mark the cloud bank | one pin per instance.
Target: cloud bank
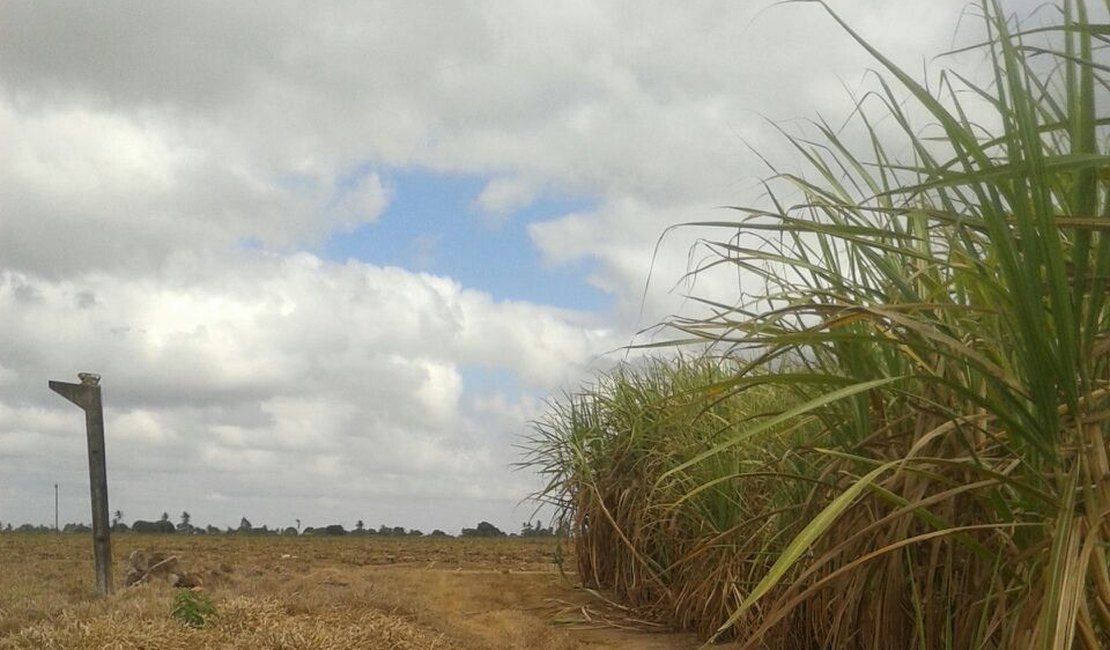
(172, 173)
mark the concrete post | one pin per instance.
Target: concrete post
(87, 396)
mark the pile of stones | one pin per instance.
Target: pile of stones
(147, 567)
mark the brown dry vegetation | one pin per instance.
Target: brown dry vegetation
(318, 593)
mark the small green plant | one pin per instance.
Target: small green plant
(193, 608)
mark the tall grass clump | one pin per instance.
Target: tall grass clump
(934, 321)
(651, 527)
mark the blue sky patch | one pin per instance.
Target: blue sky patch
(431, 226)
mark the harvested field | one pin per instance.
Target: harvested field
(312, 593)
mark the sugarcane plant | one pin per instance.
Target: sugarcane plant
(956, 296)
(907, 446)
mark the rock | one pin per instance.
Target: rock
(141, 566)
(161, 566)
(132, 576)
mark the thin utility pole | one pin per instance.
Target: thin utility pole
(87, 396)
(55, 507)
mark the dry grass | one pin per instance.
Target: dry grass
(319, 593)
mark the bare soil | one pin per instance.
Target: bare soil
(318, 593)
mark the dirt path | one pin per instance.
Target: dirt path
(520, 609)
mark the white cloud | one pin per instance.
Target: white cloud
(170, 173)
(502, 196)
(324, 374)
(361, 203)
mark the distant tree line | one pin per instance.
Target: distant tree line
(184, 526)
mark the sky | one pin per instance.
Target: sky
(332, 258)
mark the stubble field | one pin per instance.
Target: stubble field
(312, 593)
